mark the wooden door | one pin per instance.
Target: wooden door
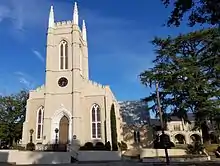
(64, 130)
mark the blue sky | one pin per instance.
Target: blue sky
(119, 34)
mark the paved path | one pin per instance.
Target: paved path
(202, 163)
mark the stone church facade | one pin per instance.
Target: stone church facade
(78, 107)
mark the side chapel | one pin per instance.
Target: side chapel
(78, 107)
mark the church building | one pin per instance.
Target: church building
(69, 103)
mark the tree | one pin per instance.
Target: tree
(198, 11)
(113, 129)
(187, 69)
(12, 116)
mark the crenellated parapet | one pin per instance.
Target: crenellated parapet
(95, 84)
(37, 93)
(63, 23)
(38, 89)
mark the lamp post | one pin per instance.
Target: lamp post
(56, 139)
(162, 124)
(31, 137)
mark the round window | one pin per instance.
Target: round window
(62, 82)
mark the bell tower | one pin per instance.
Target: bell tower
(66, 67)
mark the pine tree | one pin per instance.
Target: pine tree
(197, 11)
(187, 68)
(113, 129)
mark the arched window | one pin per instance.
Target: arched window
(96, 122)
(63, 55)
(39, 127)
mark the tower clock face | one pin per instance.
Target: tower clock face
(62, 82)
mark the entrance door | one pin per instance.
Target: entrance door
(64, 130)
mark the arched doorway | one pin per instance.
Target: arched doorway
(64, 130)
(179, 139)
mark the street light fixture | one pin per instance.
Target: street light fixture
(31, 133)
(162, 124)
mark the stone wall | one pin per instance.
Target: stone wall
(27, 157)
(161, 153)
(99, 156)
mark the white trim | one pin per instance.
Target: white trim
(55, 122)
(42, 123)
(63, 42)
(96, 122)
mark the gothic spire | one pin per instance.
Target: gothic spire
(75, 15)
(84, 33)
(51, 18)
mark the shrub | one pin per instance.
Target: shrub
(30, 146)
(195, 148)
(113, 128)
(108, 146)
(87, 146)
(99, 146)
(82, 148)
(18, 147)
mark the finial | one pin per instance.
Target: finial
(84, 31)
(75, 15)
(51, 18)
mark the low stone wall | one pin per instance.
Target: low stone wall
(175, 155)
(27, 157)
(179, 159)
(99, 156)
(160, 152)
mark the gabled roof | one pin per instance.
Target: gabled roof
(156, 122)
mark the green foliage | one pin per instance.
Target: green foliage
(18, 147)
(30, 146)
(99, 146)
(113, 129)
(88, 146)
(108, 146)
(198, 11)
(196, 148)
(12, 116)
(187, 69)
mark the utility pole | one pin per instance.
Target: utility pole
(162, 124)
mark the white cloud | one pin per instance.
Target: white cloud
(110, 38)
(39, 55)
(22, 14)
(25, 82)
(4, 13)
(25, 79)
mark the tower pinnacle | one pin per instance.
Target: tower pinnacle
(51, 18)
(75, 14)
(84, 31)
